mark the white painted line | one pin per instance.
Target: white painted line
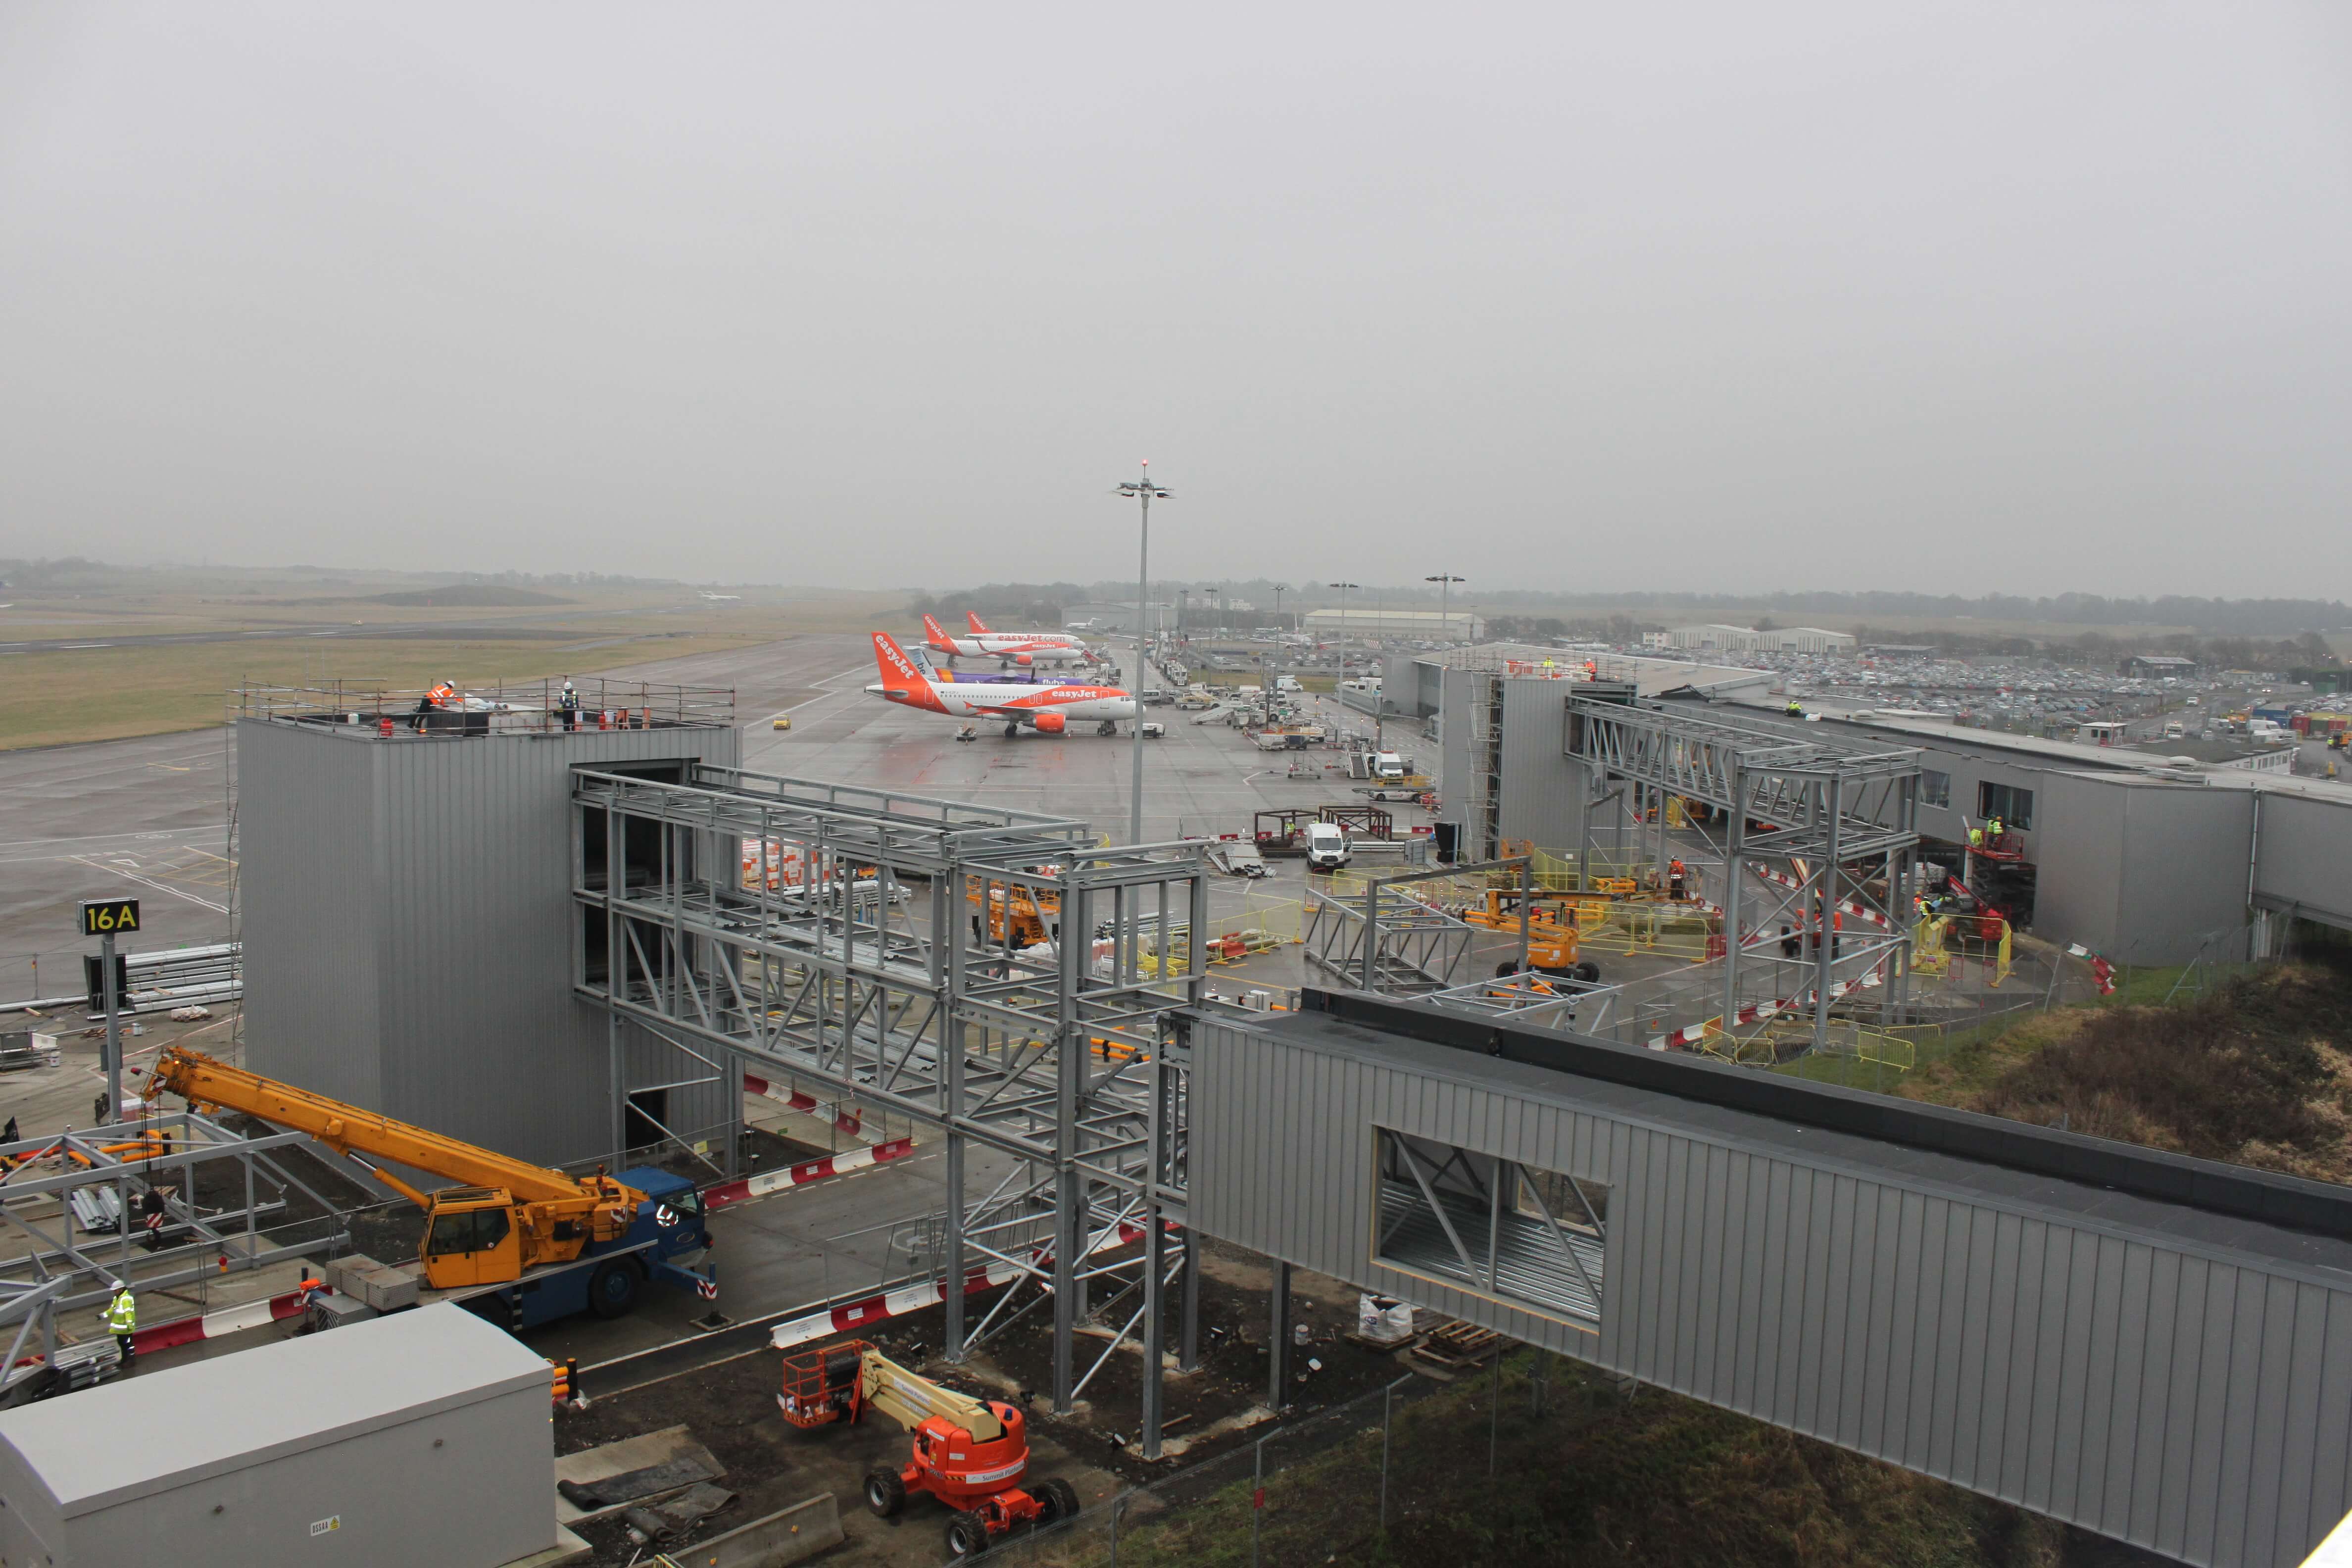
(149, 882)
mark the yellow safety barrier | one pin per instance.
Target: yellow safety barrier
(1887, 1050)
(1929, 954)
(2002, 956)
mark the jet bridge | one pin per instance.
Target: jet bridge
(2152, 1347)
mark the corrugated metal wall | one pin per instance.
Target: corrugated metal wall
(2306, 858)
(2169, 1395)
(308, 855)
(408, 928)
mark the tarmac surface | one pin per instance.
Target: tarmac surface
(147, 817)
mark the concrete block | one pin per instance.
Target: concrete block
(786, 1536)
(385, 1289)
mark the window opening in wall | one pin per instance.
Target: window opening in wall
(1935, 788)
(1516, 1232)
(2014, 806)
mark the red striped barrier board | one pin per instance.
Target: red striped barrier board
(915, 1297)
(1757, 1012)
(727, 1193)
(227, 1321)
(849, 1122)
(1845, 906)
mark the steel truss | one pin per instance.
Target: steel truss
(1396, 944)
(864, 939)
(1837, 815)
(48, 1269)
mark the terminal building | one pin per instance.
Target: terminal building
(2147, 858)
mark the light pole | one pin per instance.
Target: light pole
(1445, 583)
(1144, 491)
(1280, 589)
(1343, 588)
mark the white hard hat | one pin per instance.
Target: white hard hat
(119, 1285)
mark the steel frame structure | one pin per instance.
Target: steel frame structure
(863, 940)
(1835, 812)
(57, 1271)
(1394, 943)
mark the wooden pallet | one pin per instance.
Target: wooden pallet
(1458, 1346)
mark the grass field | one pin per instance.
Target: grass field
(59, 696)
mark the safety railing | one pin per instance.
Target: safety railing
(493, 707)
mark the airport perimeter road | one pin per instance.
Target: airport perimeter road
(539, 625)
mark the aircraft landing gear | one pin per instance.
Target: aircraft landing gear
(1012, 732)
(1107, 727)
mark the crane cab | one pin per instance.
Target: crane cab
(471, 1238)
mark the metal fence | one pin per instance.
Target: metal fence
(1338, 1485)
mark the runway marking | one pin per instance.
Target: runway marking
(148, 882)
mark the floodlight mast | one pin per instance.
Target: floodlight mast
(1343, 588)
(1144, 491)
(1445, 581)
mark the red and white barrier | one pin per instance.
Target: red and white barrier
(851, 1121)
(227, 1321)
(1845, 906)
(1757, 1012)
(748, 1187)
(915, 1297)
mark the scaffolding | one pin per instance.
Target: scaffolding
(866, 970)
(1820, 831)
(66, 1231)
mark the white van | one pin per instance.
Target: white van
(1326, 846)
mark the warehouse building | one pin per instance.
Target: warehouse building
(1716, 638)
(1424, 625)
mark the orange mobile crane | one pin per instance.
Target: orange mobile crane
(505, 1218)
(971, 1454)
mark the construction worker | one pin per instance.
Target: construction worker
(440, 696)
(123, 1320)
(1795, 710)
(1976, 836)
(1992, 829)
(569, 705)
(1791, 945)
(1678, 880)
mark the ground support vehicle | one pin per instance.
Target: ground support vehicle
(1411, 786)
(973, 1453)
(514, 1242)
(1551, 943)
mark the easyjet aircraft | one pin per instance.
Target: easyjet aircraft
(1064, 639)
(1048, 710)
(1004, 647)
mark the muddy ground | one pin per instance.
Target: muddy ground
(730, 1407)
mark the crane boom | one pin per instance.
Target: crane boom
(909, 1399)
(194, 1076)
(504, 1218)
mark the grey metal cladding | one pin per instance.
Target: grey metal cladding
(407, 908)
(2059, 1347)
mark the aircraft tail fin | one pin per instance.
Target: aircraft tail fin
(973, 621)
(898, 671)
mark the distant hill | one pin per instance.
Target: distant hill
(466, 597)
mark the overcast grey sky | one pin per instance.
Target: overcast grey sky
(2032, 298)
